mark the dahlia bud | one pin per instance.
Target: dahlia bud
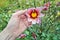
(22, 36)
(47, 4)
(34, 35)
(45, 8)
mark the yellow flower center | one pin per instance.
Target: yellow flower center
(34, 14)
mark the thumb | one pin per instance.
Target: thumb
(18, 13)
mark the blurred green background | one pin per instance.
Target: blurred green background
(50, 26)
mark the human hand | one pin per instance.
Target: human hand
(17, 24)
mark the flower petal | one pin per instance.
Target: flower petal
(27, 14)
(39, 8)
(30, 10)
(29, 19)
(45, 8)
(34, 21)
(47, 4)
(38, 20)
(41, 15)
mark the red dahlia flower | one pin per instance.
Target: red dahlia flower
(34, 15)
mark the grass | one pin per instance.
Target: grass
(50, 27)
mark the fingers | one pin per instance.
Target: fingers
(18, 13)
(27, 24)
(24, 20)
(21, 12)
(23, 16)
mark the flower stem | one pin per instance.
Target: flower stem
(34, 3)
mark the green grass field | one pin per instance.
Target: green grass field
(50, 26)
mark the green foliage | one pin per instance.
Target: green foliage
(49, 29)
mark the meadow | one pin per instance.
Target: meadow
(49, 29)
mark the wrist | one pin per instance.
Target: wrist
(6, 35)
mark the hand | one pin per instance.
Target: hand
(18, 23)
